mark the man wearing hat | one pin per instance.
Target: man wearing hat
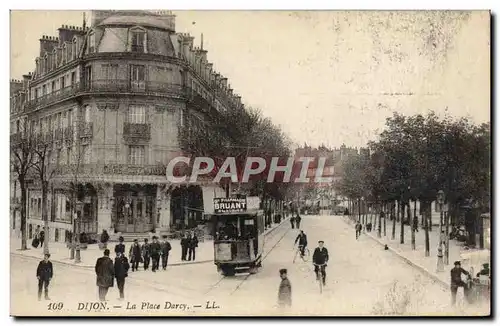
(285, 290)
(135, 255)
(456, 281)
(320, 259)
(155, 250)
(485, 271)
(120, 247)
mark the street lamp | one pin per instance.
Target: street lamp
(79, 206)
(440, 201)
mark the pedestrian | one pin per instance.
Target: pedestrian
(415, 224)
(135, 255)
(105, 272)
(42, 238)
(358, 229)
(120, 247)
(104, 239)
(146, 254)
(369, 227)
(285, 290)
(155, 250)
(456, 281)
(193, 244)
(184, 247)
(44, 274)
(165, 251)
(121, 272)
(297, 221)
(292, 221)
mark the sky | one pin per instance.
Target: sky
(325, 77)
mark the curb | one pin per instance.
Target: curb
(424, 270)
(267, 232)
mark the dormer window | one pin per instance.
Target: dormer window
(138, 40)
(92, 48)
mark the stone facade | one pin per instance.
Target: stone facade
(112, 99)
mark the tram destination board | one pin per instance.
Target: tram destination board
(230, 205)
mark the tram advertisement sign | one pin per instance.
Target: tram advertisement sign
(230, 205)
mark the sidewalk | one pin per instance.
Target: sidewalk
(417, 258)
(60, 253)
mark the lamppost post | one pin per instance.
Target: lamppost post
(78, 257)
(440, 263)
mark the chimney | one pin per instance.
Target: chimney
(223, 82)
(47, 44)
(26, 79)
(15, 86)
(66, 33)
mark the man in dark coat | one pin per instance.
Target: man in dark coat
(302, 240)
(165, 251)
(155, 250)
(42, 238)
(285, 290)
(193, 243)
(184, 247)
(297, 221)
(135, 255)
(105, 272)
(121, 272)
(44, 274)
(456, 281)
(120, 247)
(146, 254)
(320, 259)
(358, 230)
(292, 221)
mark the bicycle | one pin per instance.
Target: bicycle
(305, 256)
(320, 276)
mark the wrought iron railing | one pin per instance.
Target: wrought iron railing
(86, 129)
(110, 169)
(58, 95)
(140, 131)
(131, 86)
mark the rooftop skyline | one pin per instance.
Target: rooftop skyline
(322, 75)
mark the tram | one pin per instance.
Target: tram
(238, 240)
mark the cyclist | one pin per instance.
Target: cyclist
(302, 240)
(320, 257)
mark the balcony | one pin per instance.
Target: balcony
(127, 86)
(198, 101)
(110, 169)
(86, 130)
(136, 132)
(58, 95)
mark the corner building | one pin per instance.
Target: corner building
(113, 98)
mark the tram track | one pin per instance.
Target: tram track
(234, 283)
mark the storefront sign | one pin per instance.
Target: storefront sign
(230, 205)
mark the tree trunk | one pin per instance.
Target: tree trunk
(412, 226)
(359, 210)
(393, 235)
(22, 184)
(402, 223)
(385, 218)
(379, 232)
(45, 216)
(398, 210)
(426, 214)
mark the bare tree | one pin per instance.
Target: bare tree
(22, 158)
(44, 168)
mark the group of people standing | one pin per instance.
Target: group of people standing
(189, 243)
(146, 253)
(295, 221)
